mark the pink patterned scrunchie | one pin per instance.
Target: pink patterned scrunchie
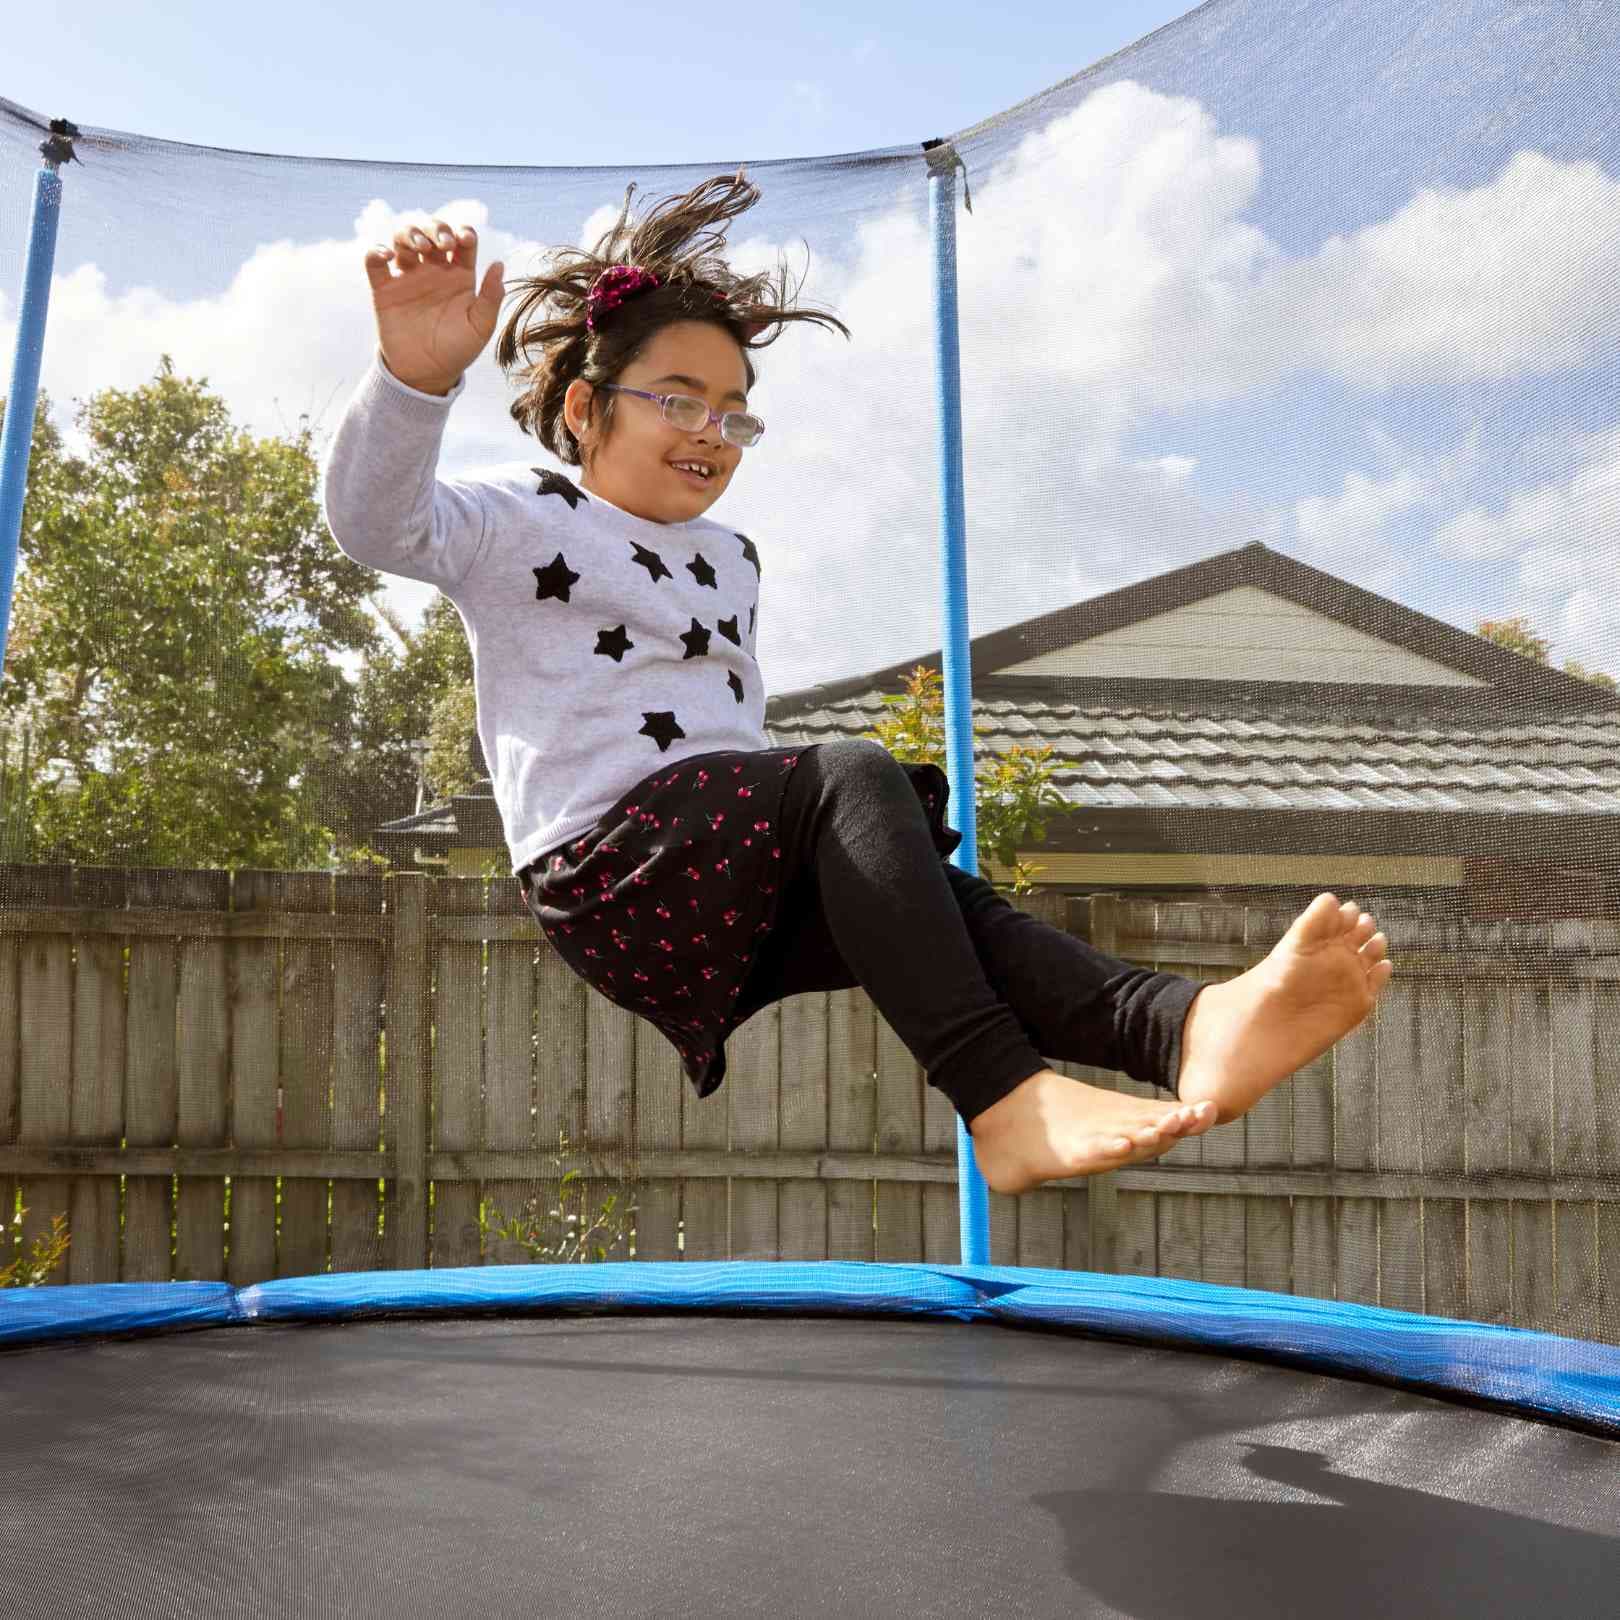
(612, 287)
(617, 284)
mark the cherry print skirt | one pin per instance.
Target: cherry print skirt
(663, 905)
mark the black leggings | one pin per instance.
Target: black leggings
(976, 989)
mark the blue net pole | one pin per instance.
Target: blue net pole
(973, 1196)
(17, 441)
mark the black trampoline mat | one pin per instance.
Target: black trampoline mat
(676, 1465)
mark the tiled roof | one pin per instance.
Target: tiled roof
(1256, 756)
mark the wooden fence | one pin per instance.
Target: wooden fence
(162, 1031)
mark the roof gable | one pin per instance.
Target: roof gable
(1382, 641)
(1244, 633)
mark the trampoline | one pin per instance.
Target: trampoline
(847, 1439)
(1273, 374)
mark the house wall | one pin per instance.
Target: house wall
(1239, 635)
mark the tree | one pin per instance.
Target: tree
(172, 665)
(1010, 796)
(1517, 636)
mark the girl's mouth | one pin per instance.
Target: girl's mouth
(694, 478)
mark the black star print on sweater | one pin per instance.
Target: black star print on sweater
(615, 643)
(555, 484)
(651, 561)
(555, 580)
(661, 727)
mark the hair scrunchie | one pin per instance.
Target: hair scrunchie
(613, 287)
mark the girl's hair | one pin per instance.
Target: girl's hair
(675, 243)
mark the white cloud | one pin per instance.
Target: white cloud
(1553, 548)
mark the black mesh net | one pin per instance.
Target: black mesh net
(1292, 476)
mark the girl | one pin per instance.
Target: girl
(675, 861)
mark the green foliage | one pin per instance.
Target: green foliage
(172, 692)
(1517, 636)
(31, 1270)
(561, 1236)
(1013, 791)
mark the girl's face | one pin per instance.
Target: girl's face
(633, 466)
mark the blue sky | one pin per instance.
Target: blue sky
(516, 82)
(1338, 278)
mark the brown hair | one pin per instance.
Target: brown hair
(674, 242)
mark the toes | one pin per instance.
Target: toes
(1320, 920)
(1375, 948)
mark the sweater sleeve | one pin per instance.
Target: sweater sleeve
(383, 503)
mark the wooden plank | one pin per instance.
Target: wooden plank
(45, 1063)
(306, 1073)
(153, 1066)
(1040, 1228)
(1355, 1146)
(357, 994)
(1608, 1247)
(1315, 1224)
(1357, 1251)
(407, 1079)
(202, 1075)
(900, 1085)
(610, 1071)
(705, 1232)
(1606, 1216)
(1402, 1056)
(1530, 1048)
(1488, 1142)
(561, 997)
(255, 1079)
(805, 1081)
(99, 1021)
(1076, 1229)
(458, 1065)
(325, 1164)
(1268, 1244)
(659, 1082)
(851, 1121)
(756, 1110)
(1136, 1238)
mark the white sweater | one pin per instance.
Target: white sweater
(605, 646)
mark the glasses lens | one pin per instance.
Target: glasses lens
(686, 413)
(742, 429)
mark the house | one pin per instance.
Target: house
(1250, 725)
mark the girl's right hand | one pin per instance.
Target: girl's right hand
(431, 323)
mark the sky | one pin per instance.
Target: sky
(522, 83)
(1338, 279)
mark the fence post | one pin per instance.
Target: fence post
(1103, 1188)
(406, 973)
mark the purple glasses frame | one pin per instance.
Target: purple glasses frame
(714, 416)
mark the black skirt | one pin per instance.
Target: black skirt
(664, 904)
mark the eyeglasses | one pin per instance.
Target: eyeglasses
(691, 415)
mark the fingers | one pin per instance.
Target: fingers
(413, 247)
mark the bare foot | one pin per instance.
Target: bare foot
(1051, 1127)
(1320, 980)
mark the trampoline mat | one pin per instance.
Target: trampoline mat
(677, 1464)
